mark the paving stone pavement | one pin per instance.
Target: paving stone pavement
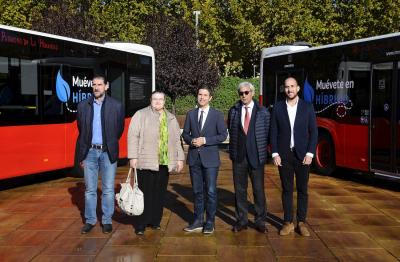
(349, 221)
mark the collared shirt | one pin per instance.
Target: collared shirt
(249, 109)
(205, 114)
(97, 135)
(292, 110)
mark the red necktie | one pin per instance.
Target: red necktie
(246, 120)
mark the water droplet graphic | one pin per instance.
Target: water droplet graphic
(62, 88)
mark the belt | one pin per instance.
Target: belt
(99, 147)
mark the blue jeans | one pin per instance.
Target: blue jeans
(97, 162)
(204, 178)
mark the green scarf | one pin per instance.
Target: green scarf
(163, 146)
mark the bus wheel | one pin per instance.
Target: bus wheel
(324, 160)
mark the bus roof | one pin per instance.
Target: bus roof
(136, 48)
(290, 49)
(126, 47)
(277, 50)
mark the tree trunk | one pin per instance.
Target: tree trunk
(173, 100)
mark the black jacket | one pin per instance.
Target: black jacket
(305, 130)
(112, 124)
(262, 119)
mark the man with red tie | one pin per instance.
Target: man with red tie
(248, 124)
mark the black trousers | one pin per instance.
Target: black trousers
(287, 171)
(241, 171)
(154, 187)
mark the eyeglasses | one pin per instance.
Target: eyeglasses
(244, 93)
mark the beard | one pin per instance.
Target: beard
(291, 97)
(98, 95)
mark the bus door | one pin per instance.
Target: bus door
(384, 124)
(396, 122)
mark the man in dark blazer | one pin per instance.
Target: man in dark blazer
(100, 120)
(294, 136)
(248, 124)
(204, 129)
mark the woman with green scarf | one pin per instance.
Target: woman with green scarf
(154, 149)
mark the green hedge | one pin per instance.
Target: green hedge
(225, 95)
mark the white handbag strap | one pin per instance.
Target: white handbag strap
(128, 179)
(135, 183)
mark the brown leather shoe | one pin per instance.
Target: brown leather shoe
(303, 230)
(286, 229)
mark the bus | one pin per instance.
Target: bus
(355, 89)
(42, 79)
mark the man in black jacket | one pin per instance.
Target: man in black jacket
(294, 136)
(100, 121)
(248, 124)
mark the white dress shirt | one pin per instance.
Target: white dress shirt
(249, 109)
(292, 110)
(205, 114)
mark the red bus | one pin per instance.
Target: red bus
(42, 79)
(355, 89)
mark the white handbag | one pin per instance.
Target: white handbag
(130, 199)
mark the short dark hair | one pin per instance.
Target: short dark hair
(205, 88)
(100, 76)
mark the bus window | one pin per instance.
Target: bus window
(5, 89)
(359, 96)
(18, 91)
(52, 106)
(116, 78)
(139, 83)
(270, 91)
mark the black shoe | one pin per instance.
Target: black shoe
(195, 227)
(261, 228)
(155, 227)
(86, 228)
(239, 227)
(107, 228)
(208, 229)
(139, 231)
